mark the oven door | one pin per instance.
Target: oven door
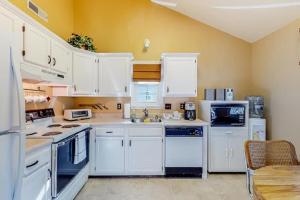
(224, 115)
(64, 166)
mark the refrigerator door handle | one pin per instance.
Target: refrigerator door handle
(19, 86)
(21, 155)
(21, 164)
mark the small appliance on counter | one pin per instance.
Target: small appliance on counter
(77, 114)
(190, 111)
(229, 94)
(210, 94)
(256, 106)
(220, 94)
(127, 112)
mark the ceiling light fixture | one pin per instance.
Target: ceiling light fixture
(262, 6)
(164, 3)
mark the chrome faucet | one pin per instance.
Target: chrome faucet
(146, 113)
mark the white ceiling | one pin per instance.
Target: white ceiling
(249, 20)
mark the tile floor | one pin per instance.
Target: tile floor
(216, 187)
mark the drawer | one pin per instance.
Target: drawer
(229, 131)
(37, 159)
(145, 131)
(113, 131)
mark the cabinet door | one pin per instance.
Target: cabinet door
(110, 155)
(85, 70)
(37, 185)
(36, 47)
(61, 57)
(237, 161)
(180, 77)
(145, 156)
(218, 153)
(114, 73)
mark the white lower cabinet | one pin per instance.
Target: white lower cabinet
(127, 151)
(145, 156)
(37, 185)
(237, 160)
(218, 153)
(110, 155)
(226, 150)
(37, 175)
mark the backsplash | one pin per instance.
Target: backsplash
(59, 104)
(109, 102)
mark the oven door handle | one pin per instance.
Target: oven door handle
(67, 140)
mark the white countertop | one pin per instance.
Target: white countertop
(34, 144)
(196, 122)
(113, 120)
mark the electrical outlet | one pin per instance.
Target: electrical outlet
(182, 106)
(119, 106)
(168, 106)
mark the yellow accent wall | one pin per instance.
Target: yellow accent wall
(122, 26)
(276, 75)
(60, 15)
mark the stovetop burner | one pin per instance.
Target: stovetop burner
(52, 133)
(54, 125)
(71, 126)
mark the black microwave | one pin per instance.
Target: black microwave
(228, 115)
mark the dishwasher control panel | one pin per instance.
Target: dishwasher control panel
(184, 131)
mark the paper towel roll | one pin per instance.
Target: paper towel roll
(127, 108)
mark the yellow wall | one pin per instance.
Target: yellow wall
(60, 15)
(276, 75)
(122, 26)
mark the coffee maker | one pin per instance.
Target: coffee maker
(189, 111)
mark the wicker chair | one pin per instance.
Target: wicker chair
(265, 153)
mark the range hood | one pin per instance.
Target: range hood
(40, 75)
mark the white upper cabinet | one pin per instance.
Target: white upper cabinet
(36, 48)
(61, 57)
(180, 75)
(114, 75)
(85, 74)
(41, 50)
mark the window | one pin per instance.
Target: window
(146, 95)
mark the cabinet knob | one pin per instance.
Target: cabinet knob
(168, 89)
(130, 143)
(75, 88)
(125, 88)
(122, 143)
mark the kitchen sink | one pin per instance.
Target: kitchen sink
(146, 120)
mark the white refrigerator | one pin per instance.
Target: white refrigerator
(12, 112)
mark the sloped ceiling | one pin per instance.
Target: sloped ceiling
(249, 20)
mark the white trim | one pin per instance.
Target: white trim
(163, 55)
